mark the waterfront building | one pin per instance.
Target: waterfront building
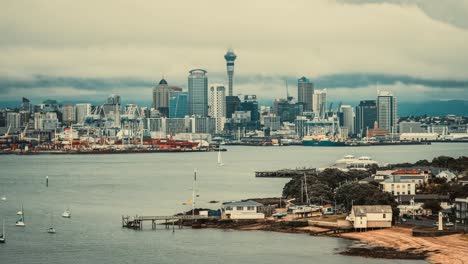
(45, 121)
(419, 136)
(366, 116)
(319, 103)
(217, 105)
(230, 57)
(370, 216)
(161, 96)
(305, 92)
(387, 111)
(202, 125)
(178, 104)
(410, 127)
(176, 126)
(198, 92)
(82, 111)
(348, 118)
(242, 210)
(69, 114)
(271, 122)
(438, 129)
(13, 120)
(232, 105)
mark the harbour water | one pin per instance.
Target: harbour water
(100, 188)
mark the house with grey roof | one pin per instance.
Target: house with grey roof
(246, 209)
(370, 216)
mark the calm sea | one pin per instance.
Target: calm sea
(100, 188)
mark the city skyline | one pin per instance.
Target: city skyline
(94, 61)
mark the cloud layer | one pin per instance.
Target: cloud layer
(86, 49)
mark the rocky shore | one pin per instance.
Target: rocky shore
(366, 244)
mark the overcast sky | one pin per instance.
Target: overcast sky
(85, 50)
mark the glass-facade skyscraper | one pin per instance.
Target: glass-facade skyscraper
(387, 111)
(366, 116)
(178, 104)
(198, 92)
(305, 92)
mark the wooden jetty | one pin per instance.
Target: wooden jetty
(136, 222)
(285, 173)
(335, 231)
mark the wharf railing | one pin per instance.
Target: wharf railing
(137, 221)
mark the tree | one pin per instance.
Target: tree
(432, 205)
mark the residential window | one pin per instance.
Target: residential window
(250, 208)
(384, 216)
(228, 208)
(239, 208)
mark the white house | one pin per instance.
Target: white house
(397, 186)
(247, 209)
(447, 175)
(370, 216)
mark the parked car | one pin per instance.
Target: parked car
(449, 224)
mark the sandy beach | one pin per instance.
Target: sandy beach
(445, 249)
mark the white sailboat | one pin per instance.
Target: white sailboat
(20, 221)
(220, 158)
(4, 195)
(67, 213)
(51, 229)
(3, 236)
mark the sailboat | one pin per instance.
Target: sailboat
(220, 158)
(4, 195)
(51, 229)
(3, 236)
(66, 213)
(20, 221)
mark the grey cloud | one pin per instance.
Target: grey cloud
(454, 12)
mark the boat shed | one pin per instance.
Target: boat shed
(370, 216)
(246, 209)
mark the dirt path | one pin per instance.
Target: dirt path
(447, 249)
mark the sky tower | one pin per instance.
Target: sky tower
(230, 57)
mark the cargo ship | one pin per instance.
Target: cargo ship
(321, 141)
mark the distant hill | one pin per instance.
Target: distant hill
(434, 108)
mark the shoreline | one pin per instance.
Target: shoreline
(390, 243)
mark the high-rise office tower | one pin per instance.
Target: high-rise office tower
(82, 110)
(387, 111)
(217, 97)
(305, 92)
(26, 105)
(178, 104)
(113, 99)
(230, 57)
(13, 120)
(366, 116)
(69, 114)
(348, 118)
(161, 94)
(250, 104)
(198, 92)
(319, 102)
(232, 105)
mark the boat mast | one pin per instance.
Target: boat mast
(193, 193)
